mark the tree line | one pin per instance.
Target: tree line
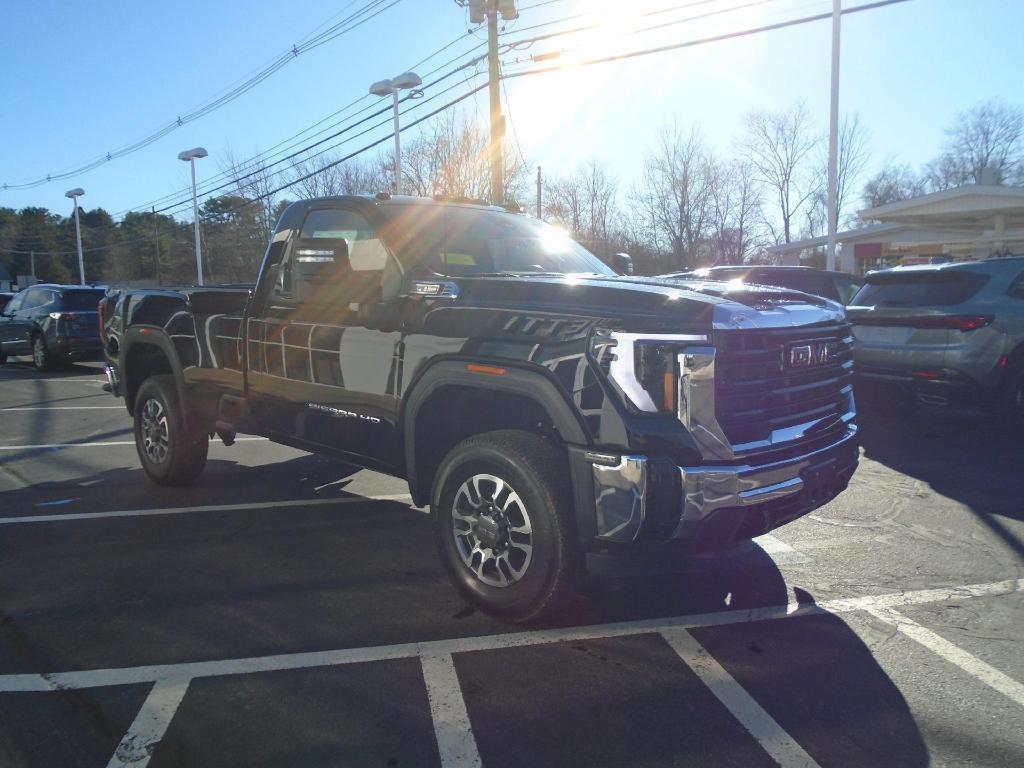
(689, 205)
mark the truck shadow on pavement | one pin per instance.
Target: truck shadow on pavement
(117, 592)
(961, 456)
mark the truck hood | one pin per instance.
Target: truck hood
(702, 304)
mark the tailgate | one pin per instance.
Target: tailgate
(905, 322)
(892, 339)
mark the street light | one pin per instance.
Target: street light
(74, 194)
(190, 156)
(404, 81)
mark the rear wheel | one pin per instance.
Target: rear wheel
(503, 511)
(1010, 406)
(42, 357)
(170, 453)
(3, 357)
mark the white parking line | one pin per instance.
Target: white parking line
(455, 742)
(769, 734)
(69, 379)
(150, 724)
(205, 508)
(132, 675)
(939, 645)
(93, 445)
(69, 408)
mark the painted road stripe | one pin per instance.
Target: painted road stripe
(150, 724)
(206, 508)
(455, 742)
(133, 675)
(782, 747)
(94, 445)
(69, 379)
(70, 408)
(939, 645)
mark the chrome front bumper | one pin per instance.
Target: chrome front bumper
(624, 502)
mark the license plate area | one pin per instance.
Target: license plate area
(820, 482)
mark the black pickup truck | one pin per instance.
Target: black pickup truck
(558, 418)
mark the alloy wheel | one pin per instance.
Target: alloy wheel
(492, 530)
(155, 436)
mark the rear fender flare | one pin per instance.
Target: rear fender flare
(153, 336)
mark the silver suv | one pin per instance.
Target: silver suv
(945, 334)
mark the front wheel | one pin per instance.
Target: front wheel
(504, 521)
(170, 453)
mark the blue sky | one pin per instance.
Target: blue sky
(83, 78)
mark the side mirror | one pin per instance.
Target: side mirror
(622, 263)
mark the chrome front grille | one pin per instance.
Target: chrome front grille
(783, 386)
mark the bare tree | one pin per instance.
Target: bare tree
(254, 181)
(780, 146)
(736, 198)
(325, 175)
(451, 159)
(853, 157)
(989, 136)
(891, 184)
(676, 192)
(584, 203)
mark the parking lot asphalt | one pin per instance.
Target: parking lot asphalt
(289, 610)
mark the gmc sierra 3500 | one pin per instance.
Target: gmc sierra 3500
(558, 418)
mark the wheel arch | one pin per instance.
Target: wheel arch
(449, 403)
(148, 351)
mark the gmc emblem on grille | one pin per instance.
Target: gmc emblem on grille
(807, 355)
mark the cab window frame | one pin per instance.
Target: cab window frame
(285, 268)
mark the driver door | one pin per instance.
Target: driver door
(325, 344)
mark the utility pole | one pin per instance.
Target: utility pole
(833, 143)
(497, 119)
(156, 246)
(538, 193)
(32, 262)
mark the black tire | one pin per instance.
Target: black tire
(42, 358)
(3, 357)
(1010, 404)
(535, 472)
(172, 455)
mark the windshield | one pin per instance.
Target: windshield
(920, 289)
(452, 240)
(81, 300)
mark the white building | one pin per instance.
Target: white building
(970, 222)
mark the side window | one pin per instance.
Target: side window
(847, 288)
(36, 297)
(15, 304)
(1017, 289)
(337, 259)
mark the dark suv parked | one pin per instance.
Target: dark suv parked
(817, 282)
(53, 323)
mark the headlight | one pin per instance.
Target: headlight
(644, 367)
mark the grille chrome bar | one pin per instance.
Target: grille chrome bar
(740, 398)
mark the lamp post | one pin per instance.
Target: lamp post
(74, 194)
(190, 156)
(393, 86)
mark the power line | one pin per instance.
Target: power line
(232, 176)
(702, 41)
(347, 25)
(205, 187)
(282, 187)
